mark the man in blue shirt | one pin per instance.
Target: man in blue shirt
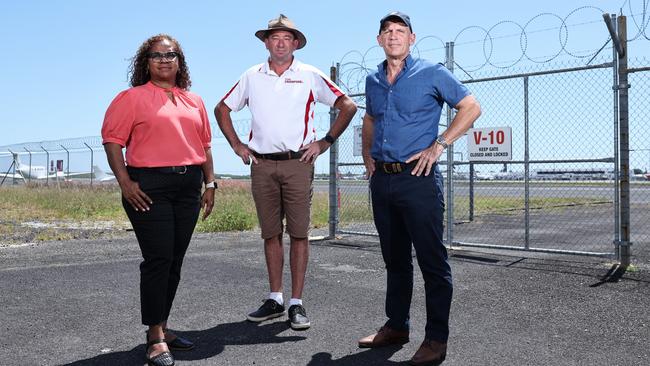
(401, 145)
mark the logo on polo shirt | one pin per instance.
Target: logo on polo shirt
(291, 81)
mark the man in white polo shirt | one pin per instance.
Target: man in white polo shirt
(281, 95)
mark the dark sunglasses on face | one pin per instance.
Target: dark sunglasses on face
(159, 57)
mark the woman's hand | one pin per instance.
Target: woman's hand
(207, 202)
(134, 195)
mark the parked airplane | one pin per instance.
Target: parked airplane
(40, 172)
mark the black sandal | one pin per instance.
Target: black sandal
(179, 343)
(162, 359)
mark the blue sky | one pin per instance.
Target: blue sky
(64, 61)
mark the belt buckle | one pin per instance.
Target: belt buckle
(183, 171)
(392, 168)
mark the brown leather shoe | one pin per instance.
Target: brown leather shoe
(430, 353)
(384, 337)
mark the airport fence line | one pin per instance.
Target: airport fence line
(46, 162)
(562, 191)
(570, 187)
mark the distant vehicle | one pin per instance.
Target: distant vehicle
(641, 177)
(485, 176)
(574, 174)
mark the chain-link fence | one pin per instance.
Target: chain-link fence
(561, 192)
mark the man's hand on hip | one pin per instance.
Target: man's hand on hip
(426, 159)
(244, 153)
(311, 151)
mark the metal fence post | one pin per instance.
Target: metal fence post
(471, 191)
(47, 166)
(68, 157)
(617, 203)
(526, 169)
(449, 46)
(623, 87)
(29, 176)
(92, 157)
(333, 178)
(15, 163)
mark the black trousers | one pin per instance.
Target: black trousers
(164, 233)
(408, 211)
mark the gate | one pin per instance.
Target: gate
(569, 188)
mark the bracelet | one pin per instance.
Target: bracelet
(212, 184)
(329, 139)
(440, 140)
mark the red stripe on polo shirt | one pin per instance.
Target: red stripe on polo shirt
(310, 100)
(231, 89)
(332, 87)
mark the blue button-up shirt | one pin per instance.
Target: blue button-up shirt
(406, 113)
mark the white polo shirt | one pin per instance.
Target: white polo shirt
(282, 106)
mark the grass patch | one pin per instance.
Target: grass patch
(516, 205)
(234, 209)
(356, 206)
(67, 202)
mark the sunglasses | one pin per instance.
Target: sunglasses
(160, 57)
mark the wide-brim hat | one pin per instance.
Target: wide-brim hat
(282, 23)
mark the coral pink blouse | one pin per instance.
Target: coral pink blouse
(155, 131)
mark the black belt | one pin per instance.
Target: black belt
(287, 155)
(182, 169)
(394, 167)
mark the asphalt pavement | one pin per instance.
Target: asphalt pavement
(76, 303)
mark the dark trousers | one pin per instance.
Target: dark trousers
(163, 233)
(408, 210)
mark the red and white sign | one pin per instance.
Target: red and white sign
(489, 144)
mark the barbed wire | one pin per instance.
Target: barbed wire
(645, 20)
(356, 65)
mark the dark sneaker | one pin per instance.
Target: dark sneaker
(298, 317)
(269, 310)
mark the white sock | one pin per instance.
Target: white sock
(277, 296)
(294, 301)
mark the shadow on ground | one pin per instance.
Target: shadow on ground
(373, 356)
(209, 343)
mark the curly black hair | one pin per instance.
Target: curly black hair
(139, 71)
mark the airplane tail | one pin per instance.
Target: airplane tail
(100, 175)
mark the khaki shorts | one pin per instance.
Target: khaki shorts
(282, 189)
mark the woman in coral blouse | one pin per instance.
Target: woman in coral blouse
(166, 132)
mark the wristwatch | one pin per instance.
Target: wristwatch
(328, 138)
(442, 141)
(212, 184)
